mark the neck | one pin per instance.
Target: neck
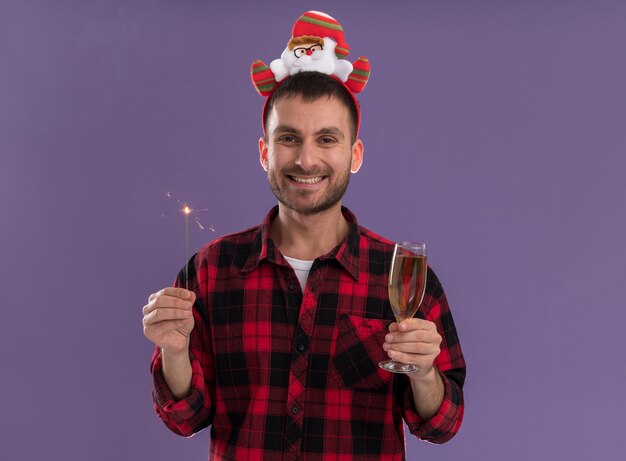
(308, 236)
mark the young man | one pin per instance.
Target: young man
(276, 345)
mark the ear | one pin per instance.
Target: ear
(263, 146)
(357, 156)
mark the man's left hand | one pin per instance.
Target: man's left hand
(414, 341)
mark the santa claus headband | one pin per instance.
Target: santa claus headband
(317, 44)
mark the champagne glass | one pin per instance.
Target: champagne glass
(407, 284)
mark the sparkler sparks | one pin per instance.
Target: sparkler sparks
(186, 210)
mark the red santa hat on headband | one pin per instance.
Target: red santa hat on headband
(322, 25)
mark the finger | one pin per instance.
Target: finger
(418, 336)
(156, 331)
(175, 292)
(421, 360)
(429, 349)
(172, 302)
(168, 302)
(416, 324)
(161, 315)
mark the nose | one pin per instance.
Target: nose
(307, 157)
(309, 52)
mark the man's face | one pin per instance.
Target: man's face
(308, 154)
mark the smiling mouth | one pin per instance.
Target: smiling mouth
(301, 180)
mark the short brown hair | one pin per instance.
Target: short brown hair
(312, 86)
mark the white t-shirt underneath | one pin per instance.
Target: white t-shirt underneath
(301, 269)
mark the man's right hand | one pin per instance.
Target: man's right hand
(168, 319)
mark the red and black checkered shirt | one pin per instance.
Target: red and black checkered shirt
(283, 374)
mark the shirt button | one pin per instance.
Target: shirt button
(292, 286)
(295, 410)
(301, 347)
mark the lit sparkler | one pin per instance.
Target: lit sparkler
(187, 211)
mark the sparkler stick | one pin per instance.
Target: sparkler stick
(186, 210)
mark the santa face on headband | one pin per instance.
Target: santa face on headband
(310, 53)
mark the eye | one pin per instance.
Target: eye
(287, 139)
(299, 52)
(327, 140)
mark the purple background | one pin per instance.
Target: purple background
(494, 130)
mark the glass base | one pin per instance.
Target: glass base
(397, 367)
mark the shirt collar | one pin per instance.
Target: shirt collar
(346, 253)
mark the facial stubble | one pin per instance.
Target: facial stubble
(333, 195)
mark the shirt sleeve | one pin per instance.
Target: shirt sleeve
(194, 412)
(451, 367)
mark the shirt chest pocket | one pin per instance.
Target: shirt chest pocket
(358, 350)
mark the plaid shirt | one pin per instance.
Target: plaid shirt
(283, 374)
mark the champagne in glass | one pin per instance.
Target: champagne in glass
(407, 284)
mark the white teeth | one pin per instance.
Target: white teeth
(307, 180)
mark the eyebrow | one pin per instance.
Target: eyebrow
(280, 129)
